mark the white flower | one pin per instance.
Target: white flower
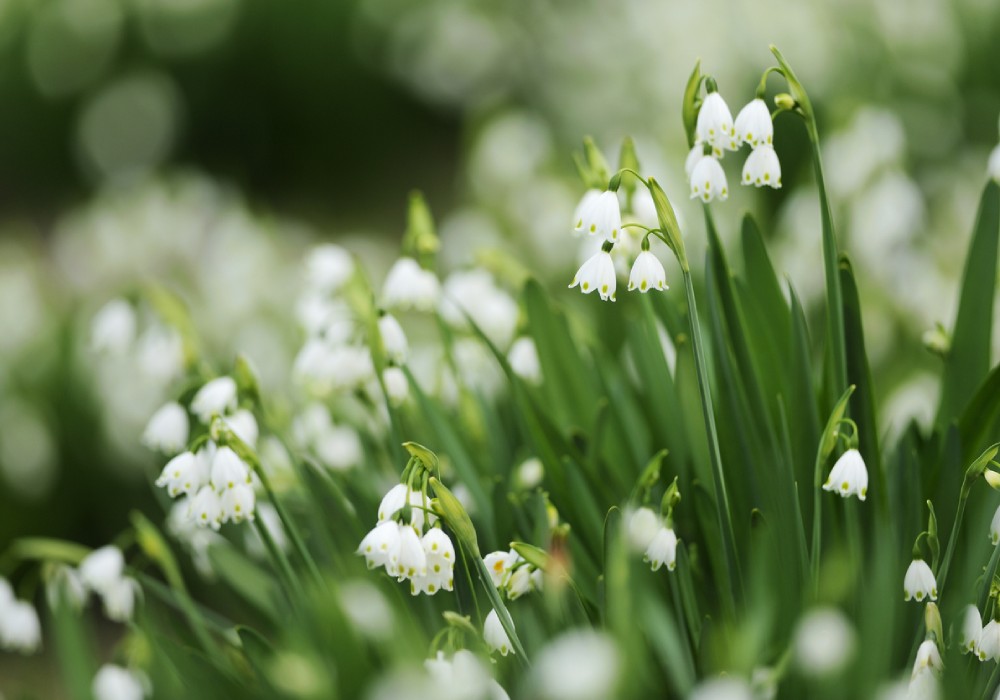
(396, 498)
(116, 683)
(217, 397)
(119, 599)
(182, 474)
(989, 641)
(206, 508)
(972, 629)
(113, 328)
(167, 430)
(849, 476)
(722, 689)
(408, 286)
(523, 359)
(328, 267)
(397, 387)
(995, 527)
(380, 547)
(753, 124)
(715, 123)
(578, 665)
(762, 168)
(520, 582)
(824, 641)
(647, 273)
(238, 503)
(662, 550)
(367, 609)
(440, 557)
(529, 473)
(498, 564)
(65, 586)
(602, 217)
(412, 560)
(993, 166)
(708, 180)
(159, 353)
(102, 568)
(919, 581)
(19, 627)
(463, 677)
(228, 470)
(923, 686)
(928, 658)
(338, 447)
(473, 294)
(643, 526)
(393, 338)
(693, 158)
(597, 273)
(588, 199)
(495, 636)
(244, 425)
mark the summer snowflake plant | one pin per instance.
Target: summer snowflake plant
(541, 532)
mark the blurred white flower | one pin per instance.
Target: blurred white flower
(408, 286)
(495, 636)
(397, 387)
(602, 217)
(928, 658)
(216, 397)
(529, 473)
(581, 664)
(167, 429)
(849, 476)
(753, 124)
(597, 273)
(206, 508)
(244, 425)
(184, 473)
(102, 568)
(367, 609)
(971, 630)
(722, 689)
(708, 180)
(159, 354)
(119, 599)
(523, 359)
(116, 683)
(662, 549)
(326, 367)
(339, 447)
(328, 267)
(20, 629)
(824, 641)
(393, 338)
(463, 677)
(643, 526)
(715, 123)
(647, 273)
(113, 328)
(237, 504)
(919, 582)
(475, 293)
(762, 168)
(64, 586)
(228, 470)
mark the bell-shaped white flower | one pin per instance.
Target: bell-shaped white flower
(971, 629)
(412, 559)
(392, 501)
(708, 180)
(715, 122)
(182, 474)
(206, 508)
(753, 124)
(849, 476)
(244, 425)
(228, 470)
(598, 272)
(995, 527)
(167, 429)
(380, 547)
(919, 582)
(393, 338)
(217, 397)
(65, 586)
(113, 328)
(498, 564)
(928, 658)
(102, 568)
(495, 636)
(328, 267)
(588, 199)
(692, 159)
(647, 273)
(989, 641)
(602, 217)
(643, 525)
(397, 387)
(581, 664)
(924, 686)
(119, 599)
(523, 359)
(408, 286)
(19, 627)
(440, 556)
(662, 550)
(993, 165)
(520, 581)
(339, 447)
(238, 503)
(762, 168)
(396, 498)
(116, 683)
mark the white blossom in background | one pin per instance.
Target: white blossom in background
(408, 286)
(919, 582)
(926, 671)
(647, 273)
(393, 337)
(65, 586)
(523, 359)
(244, 425)
(762, 168)
(325, 367)
(328, 267)
(463, 677)
(708, 180)
(642, 527)
(397, 386)
(824, 641)
(113, 328)
(722, 689)
(20, 629)
(601, 216)
(581, 664)
(102, 568)
(119, 599)
(753, 124)
(339, 448)
(597, 273)
(113, 682)
(167, 429)
(216, 397)
(529, 473)
(367, 609)
(474, 293)
(159, 354)
(971, 630)
(849, 476)
(495, 636)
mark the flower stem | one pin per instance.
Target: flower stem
(732, 571)
(942, 572)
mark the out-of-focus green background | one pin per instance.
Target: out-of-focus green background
(202, 144)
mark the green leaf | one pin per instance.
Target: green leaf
(246, 579)
(968, 360)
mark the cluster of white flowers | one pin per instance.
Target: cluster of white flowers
(216, 484)
(649, 534)
(20, 629)
(716, 133)
(417, 550)
(101, 572)
(919, 582)
(336, 446)
(512, 574)
(849, 476)
(113, 682)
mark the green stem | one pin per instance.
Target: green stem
(991, 568)
(942, 572)
(279, 558)
(502, 613)
(732, 571)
